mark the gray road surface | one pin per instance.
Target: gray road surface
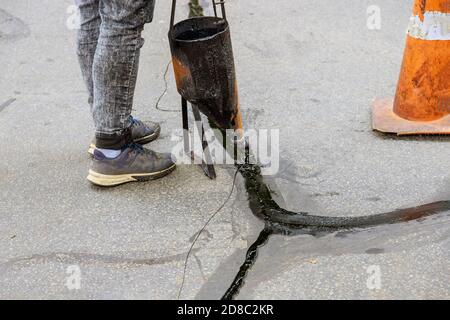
(307, 68)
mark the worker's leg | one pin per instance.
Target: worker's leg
(87, 38)
(115, 69)
(114, 72)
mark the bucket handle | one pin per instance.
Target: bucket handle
(214, 2)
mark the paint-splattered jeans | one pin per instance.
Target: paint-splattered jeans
(108, 46)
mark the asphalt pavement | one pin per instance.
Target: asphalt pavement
(309, 69)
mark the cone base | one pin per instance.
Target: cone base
(385, 120)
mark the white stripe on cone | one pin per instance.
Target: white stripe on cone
(435, 26)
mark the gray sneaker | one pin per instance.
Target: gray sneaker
(134, 164)
(142, 132)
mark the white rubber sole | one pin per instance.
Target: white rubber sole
(115, 180)
(91, 149)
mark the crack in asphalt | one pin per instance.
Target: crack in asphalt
(89, 258)
(12, 28)
(7, 103)
(200, 267)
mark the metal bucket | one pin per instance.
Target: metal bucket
(203, 63)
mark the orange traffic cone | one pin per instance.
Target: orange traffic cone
(422, 101)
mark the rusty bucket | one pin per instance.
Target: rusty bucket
(203, 63)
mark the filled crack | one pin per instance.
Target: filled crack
(195, 9)
(281, 221)
(250, 259)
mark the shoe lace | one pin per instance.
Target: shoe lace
(135, 148)
(139, 149)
